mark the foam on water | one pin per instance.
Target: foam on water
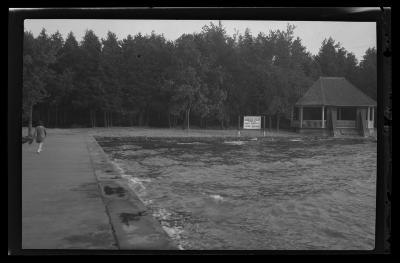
(161, 214)
(118, 167)
(217, 197)
(148, 202)
(134, 183)
(234, 142)
(195, 143)
(174, 232)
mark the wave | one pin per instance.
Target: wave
(118, 167)
(191, 143)
(217, 198)
(235, 142)
(134, 183)
(174, 232)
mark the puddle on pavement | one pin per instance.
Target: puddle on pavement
(128, 217)
(108, 190)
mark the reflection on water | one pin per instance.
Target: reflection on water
(282, 194)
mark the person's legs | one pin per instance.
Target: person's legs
(40, 147)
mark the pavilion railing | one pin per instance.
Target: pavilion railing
(345, 124)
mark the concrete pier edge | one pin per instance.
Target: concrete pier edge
(133, 225)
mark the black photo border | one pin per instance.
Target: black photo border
(380, 15)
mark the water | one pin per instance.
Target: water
(282, 194)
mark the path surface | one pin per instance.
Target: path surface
(61, 203)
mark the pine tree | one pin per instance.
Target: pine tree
(38, 54)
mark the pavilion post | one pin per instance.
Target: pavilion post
(264, 125)
(301, 116)
(291, 116)
(239, 125)
(368, 116)
(373, 117)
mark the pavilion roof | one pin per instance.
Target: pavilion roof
(334, 91)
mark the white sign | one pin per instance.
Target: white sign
(252, 122)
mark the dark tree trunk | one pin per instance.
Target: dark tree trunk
(93, 118)
(63, 121)
(111, 119)
(108, 118)
(147, 117)
(269, 122)
(277, 122)
(48, 116)
(188, 118)
(140, 121)
(65, 117)
(62, 116)
(105, 118)
(30, 120)
(56, 121)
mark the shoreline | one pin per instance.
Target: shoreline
(133, 226)
(192, 133)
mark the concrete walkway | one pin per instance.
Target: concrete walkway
(62, 207)
(73, 197)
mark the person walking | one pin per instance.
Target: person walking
(40, 134)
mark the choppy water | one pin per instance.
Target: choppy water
(283, 194)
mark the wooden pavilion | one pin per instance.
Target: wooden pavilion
(333, 106)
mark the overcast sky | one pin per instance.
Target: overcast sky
(355, 37)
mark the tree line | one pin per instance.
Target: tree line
(204, 79)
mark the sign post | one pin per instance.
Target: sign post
(264, 125)
(239, 126)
